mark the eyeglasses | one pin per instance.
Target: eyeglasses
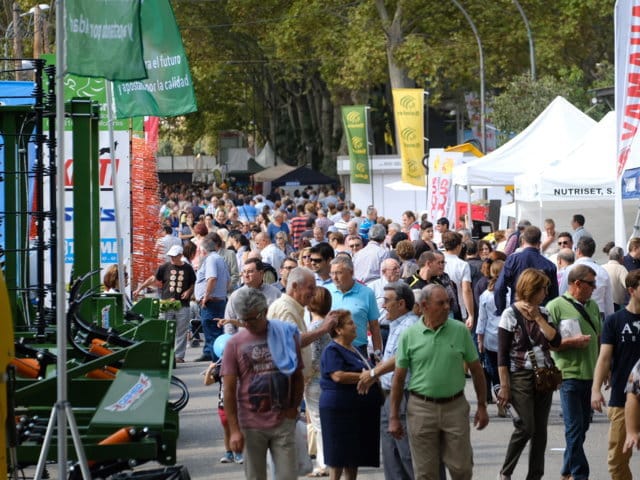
(290, 268)
(315, 260)
(591, 283)
(306, 257)
(355, 245)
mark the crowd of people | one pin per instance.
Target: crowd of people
(373, 327)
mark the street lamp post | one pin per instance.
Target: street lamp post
(532, 52)
(483, 136)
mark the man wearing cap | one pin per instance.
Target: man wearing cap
(178, 279)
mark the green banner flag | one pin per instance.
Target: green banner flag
(104, 39)
(354, 119)
(168, 91)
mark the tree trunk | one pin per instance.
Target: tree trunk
(395, 36)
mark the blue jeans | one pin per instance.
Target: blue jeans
(212, 310)
(575, 398)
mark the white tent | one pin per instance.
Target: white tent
(586, 173)
(584, 182)
(267, 157)
(549, 137)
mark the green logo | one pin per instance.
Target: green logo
(408, 102)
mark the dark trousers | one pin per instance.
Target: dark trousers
(533, 408)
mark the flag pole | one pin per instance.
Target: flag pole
(114, 182)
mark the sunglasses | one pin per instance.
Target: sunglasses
(563, 243)
(306, 257)
(315, 260)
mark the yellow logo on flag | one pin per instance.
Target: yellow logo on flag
(353, 117)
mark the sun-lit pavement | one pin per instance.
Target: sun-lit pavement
(201, 442)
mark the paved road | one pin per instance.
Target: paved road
(201, 442)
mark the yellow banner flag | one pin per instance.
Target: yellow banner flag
(408, 107)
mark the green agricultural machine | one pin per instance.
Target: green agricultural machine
(121, 391)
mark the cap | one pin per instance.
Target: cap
(175, 251)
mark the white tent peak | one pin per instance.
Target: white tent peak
(588, 171)
(267, 157)
(552, 135)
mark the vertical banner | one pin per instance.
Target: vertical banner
(168, 90)
(627, 99)
(408, 106)
(104, 39)
(440, 201)
(354, 119)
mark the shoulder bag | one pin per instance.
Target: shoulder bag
(547, 379)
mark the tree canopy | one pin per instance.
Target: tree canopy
(282, 69)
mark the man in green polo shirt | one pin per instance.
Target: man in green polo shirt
(434, 351)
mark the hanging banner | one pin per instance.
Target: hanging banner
(104, 39)
(168, 90)
(408, 107)
(627, 100)
(440, 202)
(354, 119)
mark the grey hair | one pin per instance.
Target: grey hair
(395, 226)
(208, 244)
(418, 296)
(428, 291)
(567, 255)
(343, 260)
(298, 275)
(377, 232)
(403, 292)
(247, 301)
(616, 253)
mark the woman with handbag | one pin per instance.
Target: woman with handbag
(350, 421)
(525, 338)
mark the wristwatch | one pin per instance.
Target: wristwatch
(372, 372)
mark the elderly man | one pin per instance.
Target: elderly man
(262, 389)
(585, 248)
(278, 225)
(576, 358)
(617, 275)
(290, 308)
(529, 257)
(396, 455)
(366, 262)
(360, 300)
(212, 282)
(434, 352)
(253, 277)
(390, 270)
(288, 265)
(178, 279)
(269, 252)
(619, 351)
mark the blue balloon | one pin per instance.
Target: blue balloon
(220, 343)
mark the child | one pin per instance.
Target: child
(212, 375)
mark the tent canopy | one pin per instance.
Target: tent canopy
(550, 136)
(588, 172)
(250, 168)
(271, 173)
(302, 176)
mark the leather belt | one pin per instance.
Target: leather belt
(439, 399)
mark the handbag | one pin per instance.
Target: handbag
(547, 379)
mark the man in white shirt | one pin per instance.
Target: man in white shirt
(460, 273)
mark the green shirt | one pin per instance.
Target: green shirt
(435, 358)
(576, 363)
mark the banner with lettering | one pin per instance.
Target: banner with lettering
(440, 202)
(168, 90)
(408, 107)
(104, 39)
(354, 119)
(627, 100)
